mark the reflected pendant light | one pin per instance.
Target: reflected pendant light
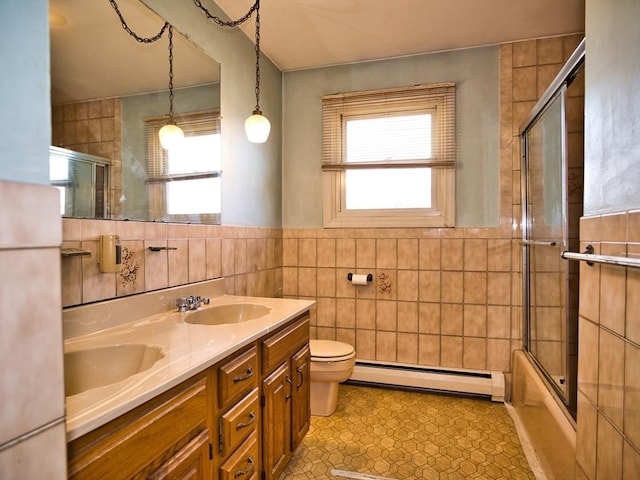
(170, 135)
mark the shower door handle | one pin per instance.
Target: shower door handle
(540, 243)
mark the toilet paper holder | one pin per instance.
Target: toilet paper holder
(369, 277)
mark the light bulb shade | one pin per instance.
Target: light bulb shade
(257, 128)
(170, 136)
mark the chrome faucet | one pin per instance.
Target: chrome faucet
(192, 302)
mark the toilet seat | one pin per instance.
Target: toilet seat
(330, 351)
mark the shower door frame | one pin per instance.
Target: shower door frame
(557, 88)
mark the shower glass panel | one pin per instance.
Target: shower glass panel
(552, 206)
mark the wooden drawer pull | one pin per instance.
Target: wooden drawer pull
(240, 378)
(249, 469)
(252, 418)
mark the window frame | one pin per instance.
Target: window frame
(203, 123)
(436, 99)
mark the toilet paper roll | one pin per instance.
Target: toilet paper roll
(359, 279)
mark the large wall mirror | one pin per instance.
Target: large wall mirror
(109, 96)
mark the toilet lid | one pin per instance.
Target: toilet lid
(329, 349)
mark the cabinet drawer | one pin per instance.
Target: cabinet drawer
(154, 431)
(238, 422)
(244, 464)
(282, 344)
(237, 376)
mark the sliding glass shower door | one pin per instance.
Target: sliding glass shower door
(552, 206)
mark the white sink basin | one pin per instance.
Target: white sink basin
(97, 367)
(225, 314)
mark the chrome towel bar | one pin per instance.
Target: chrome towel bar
(591, 258)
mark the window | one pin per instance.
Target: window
(184, 184)
(389, 157)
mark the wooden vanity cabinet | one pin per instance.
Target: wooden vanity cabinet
(236, 418)
(285, 392)
(165, 438)
(241, 419)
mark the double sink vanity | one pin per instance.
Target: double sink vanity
(217, 392)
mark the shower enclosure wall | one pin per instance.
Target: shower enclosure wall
(552, 173)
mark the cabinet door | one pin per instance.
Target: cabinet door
(300, 409)
(190, 462)
(276, 421)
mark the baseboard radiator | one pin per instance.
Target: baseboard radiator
(471, 383)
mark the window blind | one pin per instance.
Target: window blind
(436, 101)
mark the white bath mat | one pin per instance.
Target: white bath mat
(357, 475)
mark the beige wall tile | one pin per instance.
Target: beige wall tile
(326, 282)
(365, 253)
(588, 348)
(408, 253)
(307, 252)
(37, 457)
(178, 261)
(475, 287)
(453, 254)
(611, 376)
(429, 286)
(386, 343)
(307, 282)
(474, 353)
(366, 344)
(408, 317)
(344, 288)
(131, 277)
(240, 255)
(475, 320)
(365, 314)
(451, 319)
(156, 267)
(407, 286)
(498, 355)
(228, 256)
(31, 340)
(451, 351)
(429, 318)
(386, 316)
(609, 451)
(429, 350)
(613, 289)
(290, 282)
(630, 461)
(524, 53)
(326, 311)
(586, 437)
(499, 288)
(290, 252)
(197, 259)
(430, 253)
(407, 348)
(525, 84)
(326, 252)
(499, 255)
(632, 315)
(452, 287)
(632, 393)
(386, 257)
(498, 321)
(346, 253)
(213, 248)
(550, 50)
(346, 313)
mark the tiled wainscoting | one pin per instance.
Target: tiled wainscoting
(608, 441)
(249, 258)
(439, 297)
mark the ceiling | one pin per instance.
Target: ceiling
(93, 57)
(298, 34)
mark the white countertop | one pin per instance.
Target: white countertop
(188, 349)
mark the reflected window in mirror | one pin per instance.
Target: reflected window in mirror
(183, 184)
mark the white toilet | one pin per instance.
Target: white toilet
(331, 363)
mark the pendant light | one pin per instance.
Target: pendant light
(171, 135)
(257, 126)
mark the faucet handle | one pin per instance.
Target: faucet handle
(182, 303)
